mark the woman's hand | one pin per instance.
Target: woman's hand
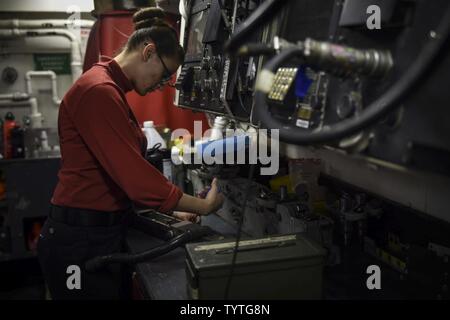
(186, 216)
(214, 198)
(212, 202)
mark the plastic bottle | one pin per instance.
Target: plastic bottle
(160, 158)
(8, 125)
(44, 141)
(152, 135)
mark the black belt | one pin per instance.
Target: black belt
(86, 217)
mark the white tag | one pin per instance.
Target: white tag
(302, 123)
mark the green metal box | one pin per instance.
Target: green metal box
(276, 267)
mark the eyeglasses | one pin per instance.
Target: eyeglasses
(167, 75)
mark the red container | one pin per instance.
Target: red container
(111, 33)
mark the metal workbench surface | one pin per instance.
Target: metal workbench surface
(164, 278)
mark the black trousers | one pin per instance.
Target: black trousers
(63, 250)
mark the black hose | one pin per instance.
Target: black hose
(265, 11)
(374, 112)
(256, 49)
(189, 235)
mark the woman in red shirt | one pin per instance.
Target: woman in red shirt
(103, 166)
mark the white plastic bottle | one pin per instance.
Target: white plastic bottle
(44, 141)
(152, 135)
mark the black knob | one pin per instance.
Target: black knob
(9, 75)
(207, 84)
(205, 63)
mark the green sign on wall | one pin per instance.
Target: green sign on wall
(57, 62)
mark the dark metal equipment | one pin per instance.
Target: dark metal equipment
(29, 186)
(210, 80)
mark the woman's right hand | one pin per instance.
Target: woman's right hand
(211, 203)
(214, 199)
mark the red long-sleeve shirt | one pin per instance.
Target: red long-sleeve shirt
(102, 147)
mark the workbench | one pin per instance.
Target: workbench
(164, 278)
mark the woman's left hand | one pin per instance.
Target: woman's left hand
(186, 216)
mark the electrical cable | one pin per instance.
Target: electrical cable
(155, 148)
(255, 49)
(375, 111)
(265, 11)
(224, 16)
(239, 230)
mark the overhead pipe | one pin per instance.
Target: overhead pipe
(52, 75)
(76, 63)
(16, 96)
(45, 23)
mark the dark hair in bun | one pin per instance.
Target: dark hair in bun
(150, 25)
(149, 17)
